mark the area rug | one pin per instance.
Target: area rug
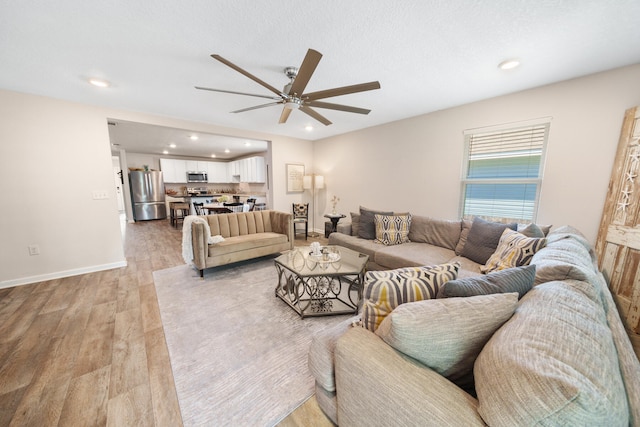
(238, 353)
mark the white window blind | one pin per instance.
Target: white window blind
(503, 172)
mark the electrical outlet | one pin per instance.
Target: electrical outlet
(34, 250)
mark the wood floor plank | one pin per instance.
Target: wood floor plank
(18, 369)
(149, 308)
(166, 410)
(96, 348)
(129, 361)
(11, 300)
(23, 317)
(132, 408)
(8, 404)
(87, 399)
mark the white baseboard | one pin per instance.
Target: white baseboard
(60, 274)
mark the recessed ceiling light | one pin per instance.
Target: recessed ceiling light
(308, 128)
(247, 144)
(99, 82)
(227, 150)
(193, 137)
(509, 64)
(165, 152)
(172, 145)
(213, 156)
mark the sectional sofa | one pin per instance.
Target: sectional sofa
(552, 353)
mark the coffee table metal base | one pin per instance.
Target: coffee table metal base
(319, 295)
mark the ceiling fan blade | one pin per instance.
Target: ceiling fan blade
(248, 74)
(257, 106)
(309, 64)
(330, 106)
(237, 93)
(362, 87)
(319, 117)
(285, 115)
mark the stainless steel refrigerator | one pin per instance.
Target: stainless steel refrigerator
(147, 194)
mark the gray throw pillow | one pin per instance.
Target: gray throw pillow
(483, 239)
(517, 279)
(367, 227)
(447, 334)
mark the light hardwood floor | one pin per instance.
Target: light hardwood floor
(90, 350)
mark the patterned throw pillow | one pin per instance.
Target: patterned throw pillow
(392, 229)
(514, 250)
(385, 290)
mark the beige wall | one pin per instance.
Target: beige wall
(53, 155)
(415, 164)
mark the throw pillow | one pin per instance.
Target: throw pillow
(483, 239)
(392, 229)
(355, 223)
(514, 249)
(448, 334)
(518, 279)
(367, 227)
(387, 289)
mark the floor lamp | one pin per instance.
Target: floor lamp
(313, 182)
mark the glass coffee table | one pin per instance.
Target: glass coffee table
(322, 285)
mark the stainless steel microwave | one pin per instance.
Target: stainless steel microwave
(193, 176)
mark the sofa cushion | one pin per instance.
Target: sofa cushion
(518, 279)
(368, 247)
(355, 223)
(514, 250)
(366, 226)
(436, 232)
(567, 255)
(246, 242)
(464, 233)
(385, 290)
(411, 255)
(447, 334)
(392, 229)
(483, 239)
(553, 363)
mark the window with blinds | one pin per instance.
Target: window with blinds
(503, 172)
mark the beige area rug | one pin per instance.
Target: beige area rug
(238, 353)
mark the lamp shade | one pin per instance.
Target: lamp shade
(319, 181)
(306, 182)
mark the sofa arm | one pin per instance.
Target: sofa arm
(378, 386)
(200, 245)
(282, 223)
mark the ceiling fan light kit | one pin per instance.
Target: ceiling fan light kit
(292, 97)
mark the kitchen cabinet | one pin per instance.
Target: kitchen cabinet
(218, 172)
(251, 169)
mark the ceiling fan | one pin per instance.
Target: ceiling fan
(293, 96)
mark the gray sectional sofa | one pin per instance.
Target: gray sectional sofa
(560, 354)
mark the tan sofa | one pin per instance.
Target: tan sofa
(246, 235)
(563, 358)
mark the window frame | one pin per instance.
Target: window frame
(544, 122)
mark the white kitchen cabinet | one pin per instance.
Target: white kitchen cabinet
(218, 172)
(173, 171)
(168, 170)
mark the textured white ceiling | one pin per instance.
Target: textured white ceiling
(428, 54)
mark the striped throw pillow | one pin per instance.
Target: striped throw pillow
(514, 250)
(385, 290)
(392, 229)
